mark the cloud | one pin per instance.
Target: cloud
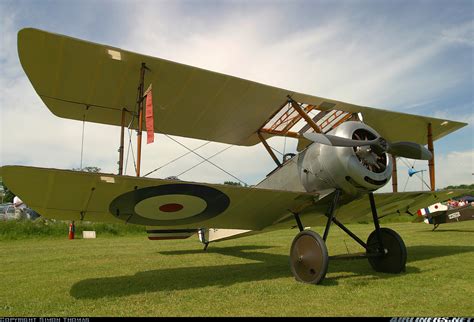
(379, 64)
(462, 34)
(9, 59)
(453, 168)
(458, 168)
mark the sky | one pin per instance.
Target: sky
(409, 56)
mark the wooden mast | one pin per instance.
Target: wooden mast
(394, 175)
(431, 163)
(140, 117)
(121, 148)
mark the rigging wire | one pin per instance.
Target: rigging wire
(291, 160)
(215, 154)
(82, 142)
(421, 178)
(130, 146)
(277, 151)
(176, 159)
(206, 160)
(406, 182)
(126, 159)
(408, 165)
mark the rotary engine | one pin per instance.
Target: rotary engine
(355, 170)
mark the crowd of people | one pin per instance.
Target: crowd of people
(451, 203)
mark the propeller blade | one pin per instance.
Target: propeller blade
(410, 150)
(332, 140)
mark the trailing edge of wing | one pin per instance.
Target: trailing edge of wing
(82, 80)
(73, 195)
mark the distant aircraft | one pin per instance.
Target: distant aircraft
(344, 153)
(439, 213)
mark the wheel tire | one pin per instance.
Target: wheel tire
(395, 256)
(309, 257)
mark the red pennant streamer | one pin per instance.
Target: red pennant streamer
(150, 132)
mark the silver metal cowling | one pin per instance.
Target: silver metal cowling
(323, 166)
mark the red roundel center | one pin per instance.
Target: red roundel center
(171, 207)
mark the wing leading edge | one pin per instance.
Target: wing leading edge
(82, 80)
(73, 195)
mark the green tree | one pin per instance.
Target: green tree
(461, 186)
(232, 183)
(88, 169)
(8, 195)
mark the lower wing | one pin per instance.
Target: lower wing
(353, 211)
(73, 195)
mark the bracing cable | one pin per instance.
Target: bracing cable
(206, 160)
(408, 165)
(215, 154)
(176, 159)
(130, 146)
(82, 140)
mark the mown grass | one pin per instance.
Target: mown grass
(132, 276)
(44, 228)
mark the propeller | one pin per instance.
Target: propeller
(409, 150)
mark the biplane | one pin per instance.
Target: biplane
(440, 213)
(345, 152)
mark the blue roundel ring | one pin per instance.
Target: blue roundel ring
(123, 207)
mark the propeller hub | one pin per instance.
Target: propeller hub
(366, 155)
(371, 156)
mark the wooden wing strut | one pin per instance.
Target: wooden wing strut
(282, 121)
(304, 115)
(269, 149)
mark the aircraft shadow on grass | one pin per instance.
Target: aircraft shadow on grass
(267, 267)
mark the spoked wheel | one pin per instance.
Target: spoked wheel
(309, 257)
(395, 253)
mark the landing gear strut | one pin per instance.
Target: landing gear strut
(309, 258)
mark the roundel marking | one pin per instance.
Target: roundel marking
(171, 207)
(154, 207)
(170, 204)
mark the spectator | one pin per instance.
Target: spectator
(20, 208)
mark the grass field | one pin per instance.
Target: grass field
(132, 276)
(45, 228)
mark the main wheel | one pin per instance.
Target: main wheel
(309, 257)
(395, 253)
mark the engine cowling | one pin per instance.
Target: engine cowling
(354, 170)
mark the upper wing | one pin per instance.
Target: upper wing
(72, 195)
(81, 80)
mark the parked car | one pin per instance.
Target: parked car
(7, 212)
